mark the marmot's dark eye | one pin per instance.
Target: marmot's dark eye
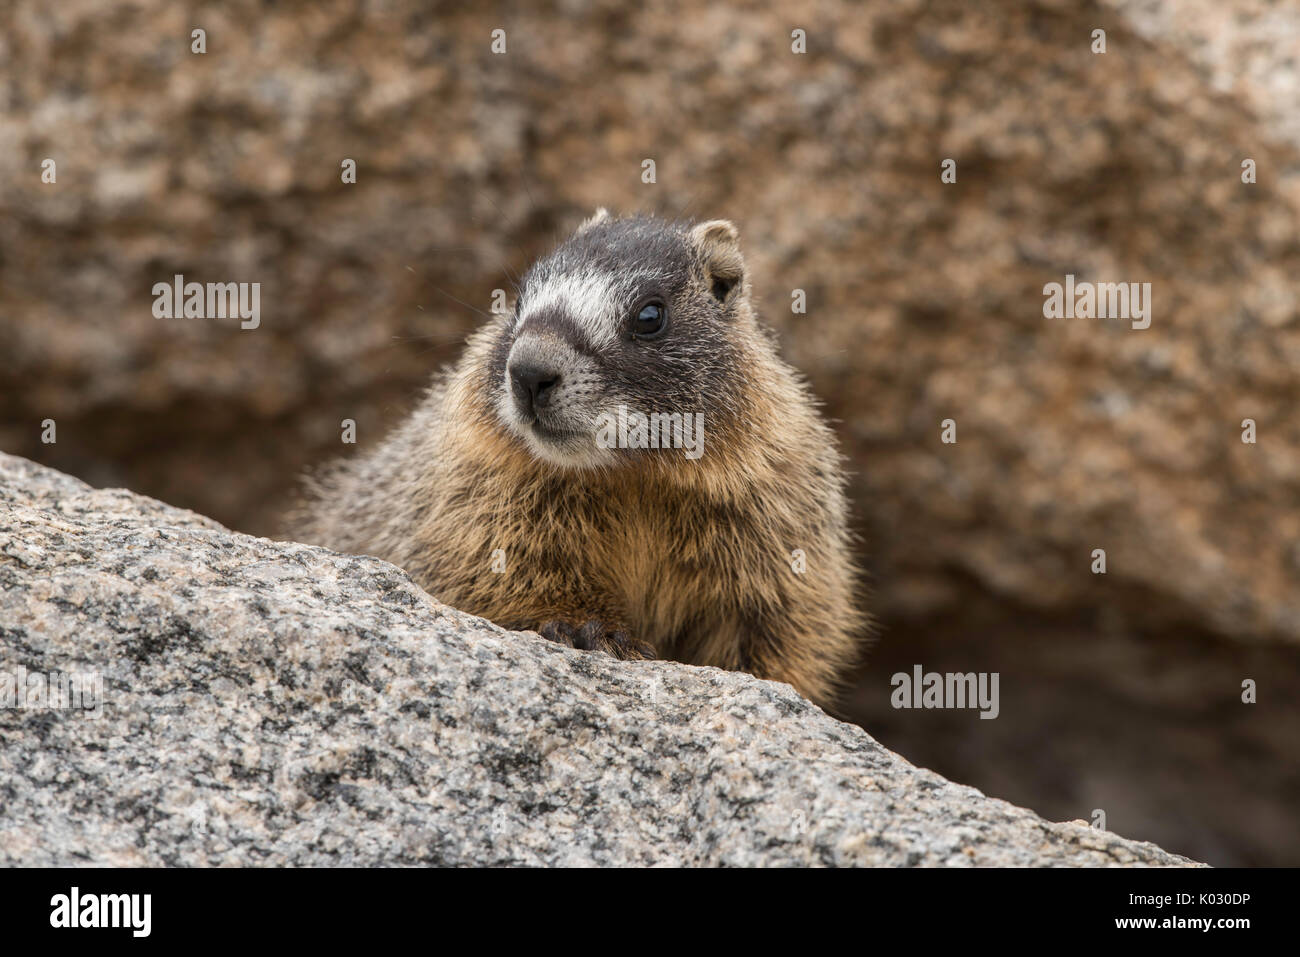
(650, 321)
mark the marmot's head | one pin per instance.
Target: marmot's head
(628, 317)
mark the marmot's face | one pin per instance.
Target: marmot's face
(628, 318)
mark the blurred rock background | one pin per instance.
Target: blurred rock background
(1119, 692)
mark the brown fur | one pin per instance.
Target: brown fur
(690, 558)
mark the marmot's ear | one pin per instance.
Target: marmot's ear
(717, 245)
(599, 216)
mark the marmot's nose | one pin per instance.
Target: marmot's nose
(533, 384)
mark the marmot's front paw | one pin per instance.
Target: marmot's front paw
(594, 636)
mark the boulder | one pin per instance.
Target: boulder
(270, 703)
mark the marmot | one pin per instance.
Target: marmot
(521, 488)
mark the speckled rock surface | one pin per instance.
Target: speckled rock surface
(275, 704)
(1249, 49)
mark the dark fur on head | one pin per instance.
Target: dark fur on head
(575, 314)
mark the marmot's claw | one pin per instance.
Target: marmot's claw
(560, 632)
(594, 636)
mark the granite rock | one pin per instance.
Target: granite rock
(271, 703)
